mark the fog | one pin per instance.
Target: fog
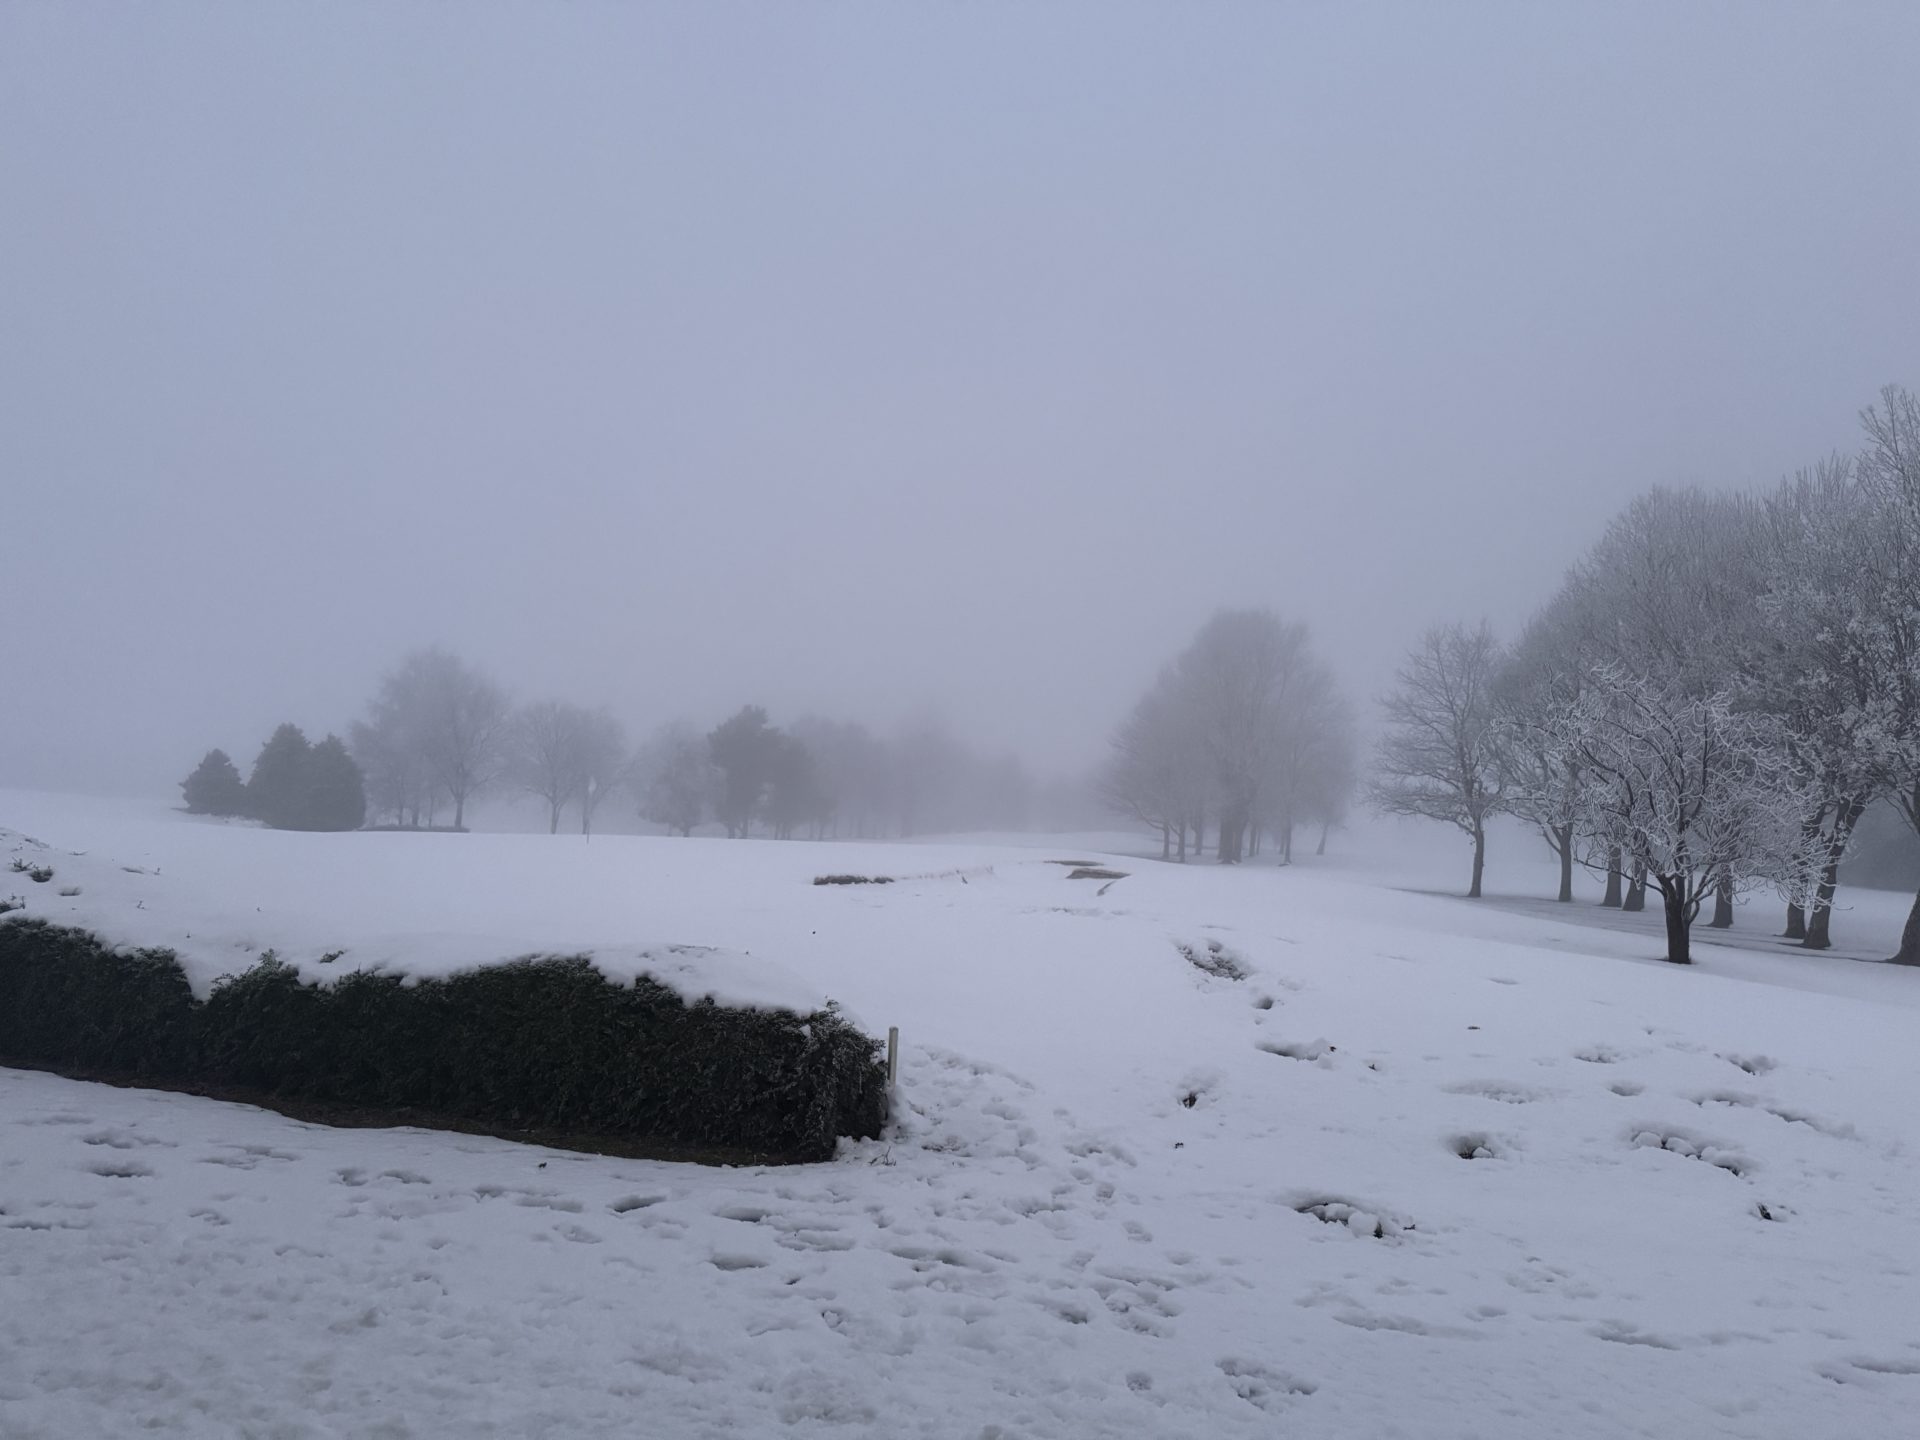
(883, 360)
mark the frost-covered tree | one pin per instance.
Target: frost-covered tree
(215, 787)
(1826, 670)
(1439, 756)
(1540, 677)
(1889, 471)
(1704, 796)
(673, 775)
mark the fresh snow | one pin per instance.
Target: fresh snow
(1430, 1169)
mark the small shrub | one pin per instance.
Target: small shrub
(853, 880)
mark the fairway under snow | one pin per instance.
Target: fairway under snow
(1428, 1169)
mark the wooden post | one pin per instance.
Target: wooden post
(893, 1055)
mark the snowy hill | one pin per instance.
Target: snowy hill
(1421, 1169)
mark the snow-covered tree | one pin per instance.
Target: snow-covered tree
(1889, 470)
(1826, 670)
(1704, 796)
(1541, 676)
(1439, 756)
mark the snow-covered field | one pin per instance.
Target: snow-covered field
(1429, 1170)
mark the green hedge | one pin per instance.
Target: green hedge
(547, 1044)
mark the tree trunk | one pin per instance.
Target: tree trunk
(1679, 940)
(553, 818)
(1479, 860)
(1321, 848)
(1910, 938)
(460, 812)
(1563, 838)
(1636, 900)
(1611, 900)
(1820, 923)
(1796, 922)
(1722, 903)
(1166, 842)
(1232, 837)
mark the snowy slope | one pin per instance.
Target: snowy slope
(1127, 1197)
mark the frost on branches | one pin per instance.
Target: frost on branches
(1702, 795)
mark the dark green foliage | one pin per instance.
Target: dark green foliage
(544, 1044)
(745, 751)
(66, 999)
(295, 785)
(277, 789)
(336, 794)
(215, 787)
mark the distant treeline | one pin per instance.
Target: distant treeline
(440, 733)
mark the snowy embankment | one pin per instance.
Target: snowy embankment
(1425, 1169)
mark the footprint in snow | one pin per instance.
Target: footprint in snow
(1261, 1386)
(120, 1170)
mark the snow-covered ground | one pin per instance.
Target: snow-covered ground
(1429, 1170)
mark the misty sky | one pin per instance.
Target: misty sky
(865, 359)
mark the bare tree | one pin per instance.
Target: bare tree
(466, 730)
(1243, 677)
(673, 774)
(436, 727)
(1439, 758)
(1158, 772)
(548, 744)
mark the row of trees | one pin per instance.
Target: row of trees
(295, 785)
(827, 778)
(1717, 694)
(1246, 729)
(440, 733)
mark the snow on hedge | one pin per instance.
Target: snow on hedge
(214, 933)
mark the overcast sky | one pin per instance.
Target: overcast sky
(866, 359)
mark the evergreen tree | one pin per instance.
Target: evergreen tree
(336, 791)
(277, 791)
(215, 787)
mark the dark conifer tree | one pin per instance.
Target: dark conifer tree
(277, 791)
(336, 791)
(215, 787)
